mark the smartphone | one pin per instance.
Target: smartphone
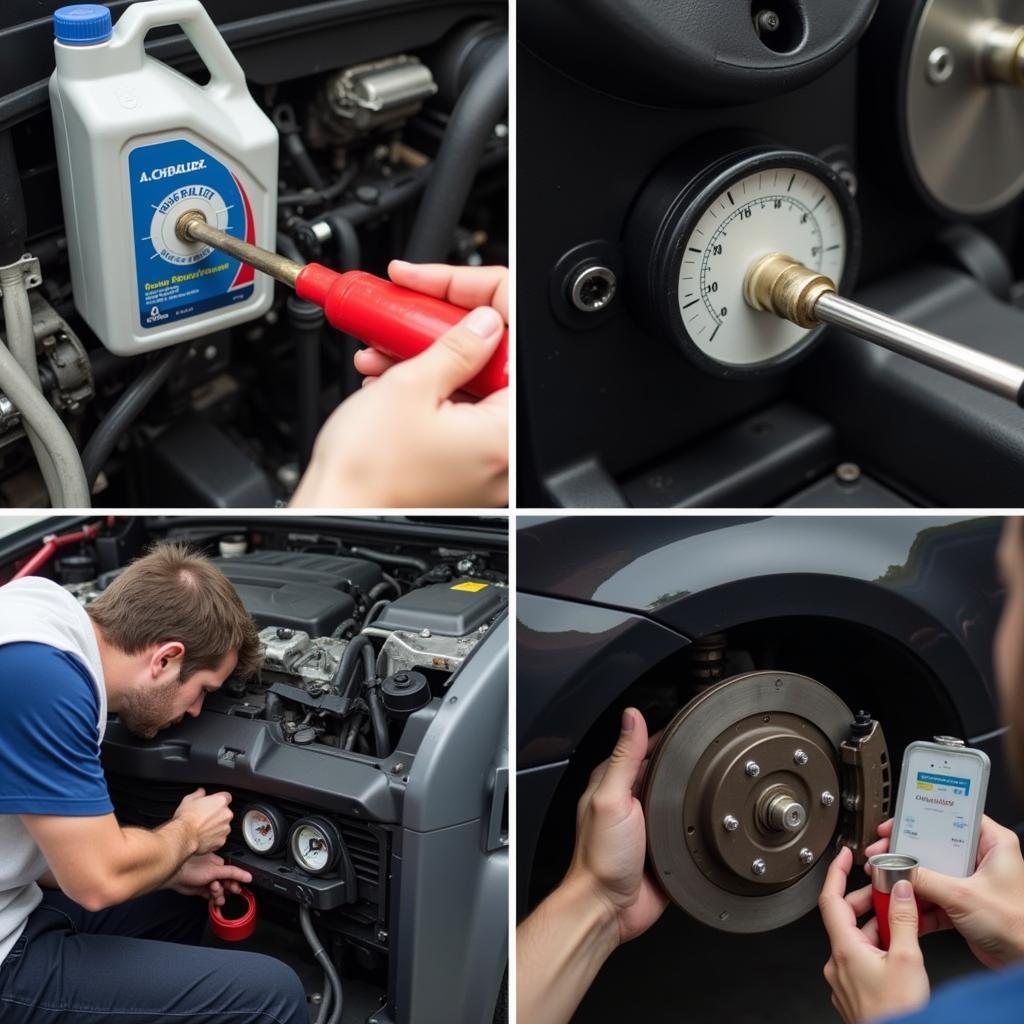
(940, 804)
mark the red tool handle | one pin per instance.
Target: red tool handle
(396, 321)
(235, 929)
(880, 901)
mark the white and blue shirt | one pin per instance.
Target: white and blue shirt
(53, 711)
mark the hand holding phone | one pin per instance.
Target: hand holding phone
(940, 805)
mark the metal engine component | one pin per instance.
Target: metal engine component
(404, 650)
(379, 95)
(746, 850)
(294, 653)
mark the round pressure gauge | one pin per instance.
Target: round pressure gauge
(315, 845)
(705, 219)
(264, 829)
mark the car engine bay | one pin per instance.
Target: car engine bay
(372, 642)
(367, 107)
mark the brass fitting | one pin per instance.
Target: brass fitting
(1001, 51)
(182, 223)
(779, 284)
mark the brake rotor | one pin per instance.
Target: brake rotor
(742, 800)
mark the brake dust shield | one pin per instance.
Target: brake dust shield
(742, 799)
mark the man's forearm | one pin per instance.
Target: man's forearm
(560, 948)
(148, 860)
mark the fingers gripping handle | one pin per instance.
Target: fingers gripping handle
(396, 321)
(226, 73)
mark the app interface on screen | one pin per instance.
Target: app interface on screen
(939, 802)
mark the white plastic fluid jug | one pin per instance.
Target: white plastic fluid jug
(138, 144)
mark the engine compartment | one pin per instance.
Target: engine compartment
(369, 631)
(362, 103)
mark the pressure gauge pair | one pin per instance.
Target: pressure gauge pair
(314, 842)
(701, 223)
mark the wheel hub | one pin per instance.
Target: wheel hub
(739, 800)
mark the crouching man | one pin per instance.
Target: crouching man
(82, 898)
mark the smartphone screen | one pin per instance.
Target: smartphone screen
(942, 799)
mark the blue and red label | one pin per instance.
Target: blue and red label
(177, 280)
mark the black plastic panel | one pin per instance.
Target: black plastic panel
(448, 609)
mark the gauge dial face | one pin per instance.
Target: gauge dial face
(774, 209)
(314, 847)
(263, 830)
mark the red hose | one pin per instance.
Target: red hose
(54, 543)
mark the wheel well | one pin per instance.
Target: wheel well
(864, 667)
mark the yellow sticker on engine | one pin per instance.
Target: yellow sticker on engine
(470, 586)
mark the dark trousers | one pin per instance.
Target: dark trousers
(139, 962)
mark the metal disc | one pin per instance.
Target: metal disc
(684, 787)
(962, 133)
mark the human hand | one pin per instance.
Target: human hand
(407, 441)
(468, 287)
(208, 876)
(867, 981)
(208, 818)
(611, 837)
(986, 908)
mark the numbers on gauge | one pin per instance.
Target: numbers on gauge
(263, 829)
(777, 209)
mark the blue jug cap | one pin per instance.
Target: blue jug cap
(82, 24)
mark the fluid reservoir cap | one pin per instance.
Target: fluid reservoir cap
(949, 741)
(405, 692)
(82, 24)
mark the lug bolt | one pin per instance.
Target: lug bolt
(806, 856)
(730, 823)
(752, 768)
(800, 757)
(759, 867)
(827, 799)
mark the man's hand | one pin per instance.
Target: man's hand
(410, 439)
(868, 982)
(208, 876)
(208, 818)
(611, 837)
(986, 908)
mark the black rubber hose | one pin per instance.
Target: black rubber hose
(374, 611)
(353, 732)
(345, 678)
(306, 323)
(387, 583)
(12, 205)
(122, 415)
(321, 956)
(470, 126)
(322, 195)
(340, 631)
(302, 160)
(389, 559)
(381, 739)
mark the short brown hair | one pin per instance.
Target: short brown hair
(174, 593)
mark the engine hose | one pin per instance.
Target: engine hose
(302, 160)
(389, 559)
(353, 732)
(345, 678)
(340, 631)
(322, 195)
(375, 610)
(321, 957)
(131, 402)
(37, 413)
(325, 1002)
(306, 323)
(387, 583)
(21, 340)
(381, 738)
(455, 167)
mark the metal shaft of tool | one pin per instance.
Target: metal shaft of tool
(777, 283)
(988, 372)
(193, 227)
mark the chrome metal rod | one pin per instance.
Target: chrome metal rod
(192, 226)
(988, 372)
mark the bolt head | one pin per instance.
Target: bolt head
(800, 757)
(759, 867)
(940, 65)
(730, 823)
(827, 799)
(806, 856)
(425, 633)
(752, 768)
